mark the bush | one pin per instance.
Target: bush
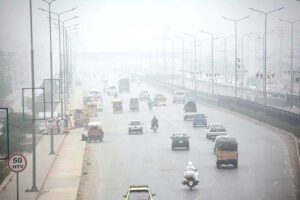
(17, 130)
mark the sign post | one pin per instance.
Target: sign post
(17, 163)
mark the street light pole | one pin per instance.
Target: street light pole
(195, 57)
(265, 50)
(182, 62)
(34, 187)
(235, 49)
(51, 76)
(243, 68)
(292, 50)
(172, 60)
(212, 59)
(64, 59)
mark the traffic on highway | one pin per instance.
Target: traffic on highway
(201, 157)
(150, 100)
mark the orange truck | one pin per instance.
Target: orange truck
(226, 150)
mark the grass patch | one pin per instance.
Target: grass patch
(4, 170)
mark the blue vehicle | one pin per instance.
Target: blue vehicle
(199, 120)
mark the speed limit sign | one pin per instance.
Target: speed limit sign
(17, 163)
(51, 123)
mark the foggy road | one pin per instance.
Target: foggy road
(122, 160)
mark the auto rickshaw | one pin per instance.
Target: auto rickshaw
(95, 132)
(160, 100)
(92, 109)
(81, 118)
(117, 105)
(134, 105)
(226, 150)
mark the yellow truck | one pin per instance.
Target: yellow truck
(226, 150)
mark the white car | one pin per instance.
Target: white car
(135, 126)
(144, 95)
(214, 130)
(112, 91)
(179, 96)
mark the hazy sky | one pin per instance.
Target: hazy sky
(126, 25)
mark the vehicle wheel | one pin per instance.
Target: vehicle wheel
(235, 164)
(218, 165)
(173, 148)
(188, 147)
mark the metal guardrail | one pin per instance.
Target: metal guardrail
(227, 101)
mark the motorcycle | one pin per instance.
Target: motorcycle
(191, 180)
(154, 127)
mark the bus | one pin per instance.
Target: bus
(124, 85)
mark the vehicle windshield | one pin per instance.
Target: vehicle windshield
(139, 195)
(200, 116)
(217, 128)
(180, 93)
(135, 123)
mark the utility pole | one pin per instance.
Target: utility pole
(34, 187)
(265, 50)
(235, 48)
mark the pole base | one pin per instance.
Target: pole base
(52, 153)
(33, 189)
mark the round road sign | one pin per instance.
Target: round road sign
(51, 123)
(17, 163)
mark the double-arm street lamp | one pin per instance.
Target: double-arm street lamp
(195, 59)
(60, 55)
(265, 50)
(292, 50)
(235, 49)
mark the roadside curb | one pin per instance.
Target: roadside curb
(6, 181)
(82, 168)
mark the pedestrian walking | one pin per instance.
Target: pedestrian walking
(71, 119)
(61, 125)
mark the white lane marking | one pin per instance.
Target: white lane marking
(275, 183)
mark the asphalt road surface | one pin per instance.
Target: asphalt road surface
(264, 171)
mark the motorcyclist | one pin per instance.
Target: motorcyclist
(154, 121)
(190, 172)
(190, 167)
(150, 104)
